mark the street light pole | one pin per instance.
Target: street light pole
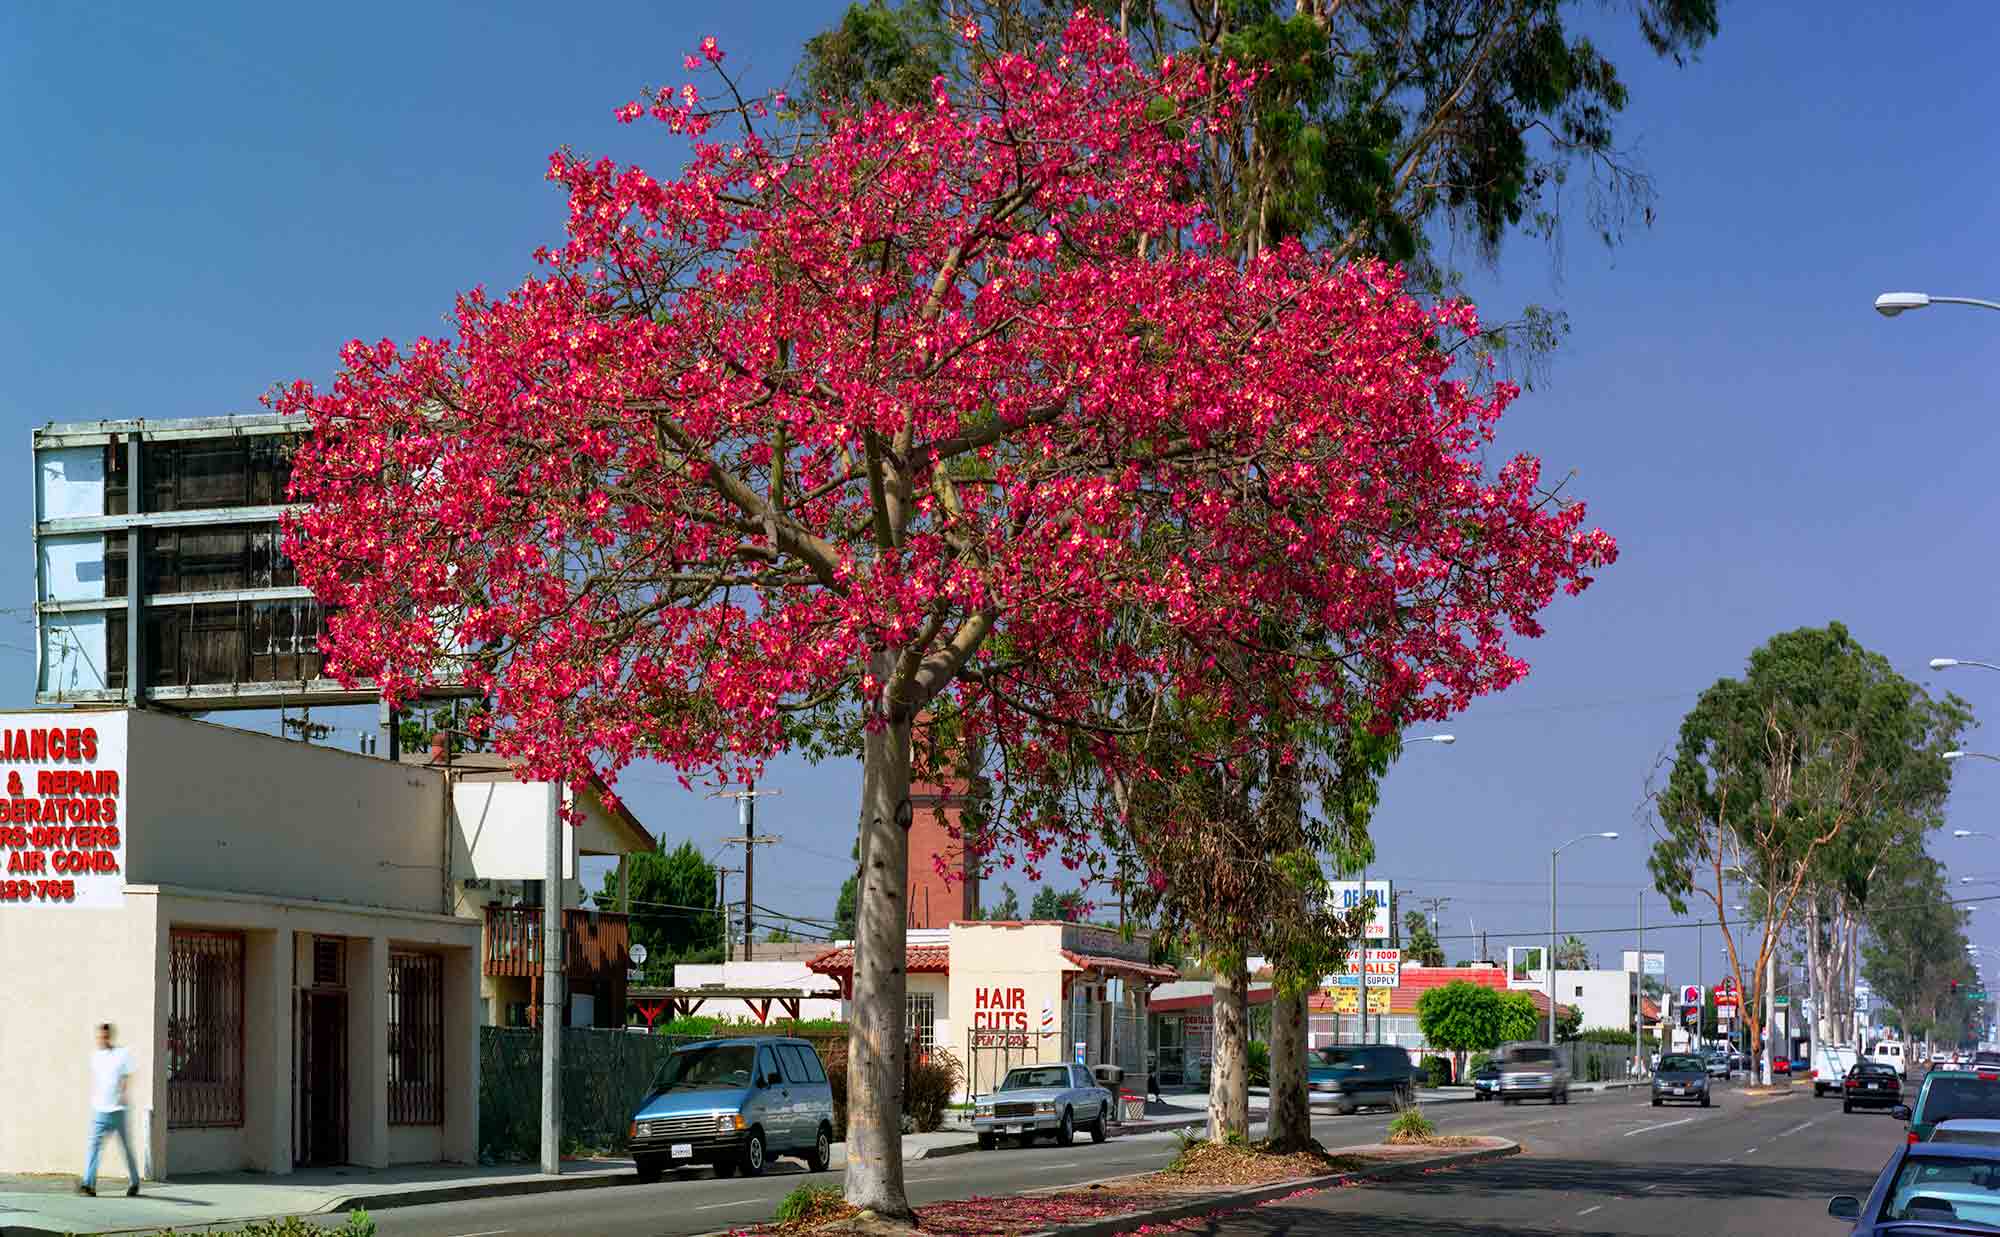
(1550, 961)
(1889, 304)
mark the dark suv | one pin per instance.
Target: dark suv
(1362, 1075)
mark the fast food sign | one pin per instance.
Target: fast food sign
(62, 814)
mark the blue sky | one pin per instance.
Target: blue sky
(203, 202)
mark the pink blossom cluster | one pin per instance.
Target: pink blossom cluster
(968, 383)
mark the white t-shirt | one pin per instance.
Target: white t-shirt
(108, 1067)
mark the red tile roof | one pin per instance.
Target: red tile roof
(1417, 980)
(917, 960)
(1123, 966)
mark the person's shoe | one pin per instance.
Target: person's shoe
(132, 1191)
(86, 1191)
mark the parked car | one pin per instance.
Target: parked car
(1362, 1075)
(1683, 1078)
(1033, 1100)
(1532, 1072)
(1829, 1068)
(1947, 1094)
(1870, 1084)
(1945, 1184)
(1738, 1061)
(1967, 1130)
(1781, 1066)
(1717, 1062)
(733, 1104)
(1486, 1081)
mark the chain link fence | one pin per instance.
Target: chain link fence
(605, 1075)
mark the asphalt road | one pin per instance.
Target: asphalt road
(1606, 1163)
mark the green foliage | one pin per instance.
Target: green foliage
(1569, 1021)
(1915, 947)
(1573, 955)
(1437, 1071)
(807, 1202)
(1008, 908)
(845, 906)
(1604, 1035)
(929, 1083)
(1419, 942)
(1411, 1126)
(673, 905)
(1519, 1019)
(1461, 1017)
(1259, 1063)
(1065, 905)
(777, 936)
(878, 54)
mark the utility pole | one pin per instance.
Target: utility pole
(552, 951)
(722, 875)
(746, 816)
(1639, 998)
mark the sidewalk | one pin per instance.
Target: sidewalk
(50, 1205)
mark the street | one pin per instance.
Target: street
(1606, 1163)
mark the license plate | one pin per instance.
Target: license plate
(1015, 1129)
(681, 1151)
(1874, 1086)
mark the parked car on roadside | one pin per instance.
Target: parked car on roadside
(1717, 1061)
(733, 1104)
(1870, 1084)
(1033, 1100)
(1952, 1186)
(1682, 1078)
(1947, 1094)
(1362, 1075)
(1532, 1072)
(1486, 1081)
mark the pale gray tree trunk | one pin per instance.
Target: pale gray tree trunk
(876, 1029)
(1229, 1073)
(1290, 1127)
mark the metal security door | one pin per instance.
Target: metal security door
(322, 1127)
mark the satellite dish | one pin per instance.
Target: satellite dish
(638, 955)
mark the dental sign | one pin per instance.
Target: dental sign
(1348, 896)
(62, 812)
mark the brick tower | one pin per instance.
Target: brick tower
(936, 901)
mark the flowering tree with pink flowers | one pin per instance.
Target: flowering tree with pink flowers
(957, 410)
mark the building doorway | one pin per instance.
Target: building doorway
(322, 1059)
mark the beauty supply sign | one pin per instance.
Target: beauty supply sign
(62, 810)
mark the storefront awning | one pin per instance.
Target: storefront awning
(1145, 972)
(917, 960)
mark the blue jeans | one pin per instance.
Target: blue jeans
(103, 1123)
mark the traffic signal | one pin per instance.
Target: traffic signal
(1954, 987)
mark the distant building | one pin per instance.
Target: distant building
(944, 875)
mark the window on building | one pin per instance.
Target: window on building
(921, 1035)
(416, 1039)
(204, 1029)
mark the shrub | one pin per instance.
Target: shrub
(1258, 1061)
(930, 1084)
(1412, 1126)
(1438, 1071)
(808, 1202)
(834, 1057)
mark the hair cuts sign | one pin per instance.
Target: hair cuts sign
(62, 810)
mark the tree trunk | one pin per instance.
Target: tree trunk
(876, 1027)
(1290, 1127)
(1229, 1073)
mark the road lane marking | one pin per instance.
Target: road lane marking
(1665, 1125)
(745, 1202)
(1587, 1210)
(1795, 1129)
(1751, 1151)
(487, 1232)
(1654, 1186)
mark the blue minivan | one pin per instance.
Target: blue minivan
(733, 1104)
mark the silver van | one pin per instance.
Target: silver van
(1532, 1072)
(733, 1104)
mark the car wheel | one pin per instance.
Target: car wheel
(1846, 1107)
(1348, 1107)
(725, 1168)
(1704, 1101)
(987, 1142)
(820, 1158)
(1098, 1130)
(753, 1154)
(649, 1167)
(1065, 1130)
(1657, 1101)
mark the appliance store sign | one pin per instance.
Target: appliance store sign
(62, 818)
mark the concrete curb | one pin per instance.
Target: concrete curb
(1215, 1204)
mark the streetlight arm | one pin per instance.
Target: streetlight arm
(1965, 300)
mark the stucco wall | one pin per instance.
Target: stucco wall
(777, 974)
(211, 807)
(69, 970)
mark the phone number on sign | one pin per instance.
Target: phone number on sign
(37, 891)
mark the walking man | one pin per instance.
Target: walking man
(109, 1068)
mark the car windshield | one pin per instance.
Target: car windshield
(1026, 1079)
(1872, 1069)
(1945, 1098)
(1963, 1191)
(1529, 1056)
(1955, 1132)
(707, 1066)
(1678, 1061)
